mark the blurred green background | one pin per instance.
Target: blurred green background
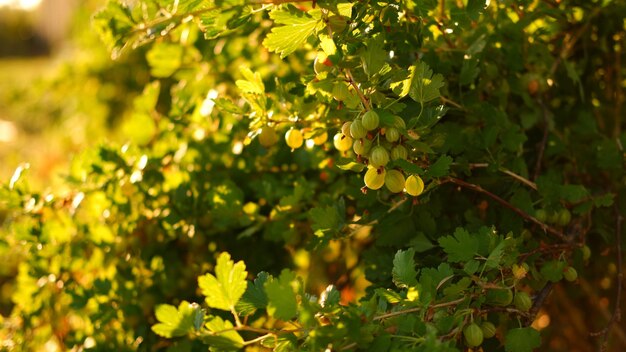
(59, 90)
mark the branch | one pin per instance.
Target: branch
(519, 178)
(518, 211)
(539, 300)
(417, 309)
(364, 100)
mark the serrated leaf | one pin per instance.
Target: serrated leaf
(328, 45)
(522, 340)
(324, 218)
(420, 84)
(224, 290)
(389, 295)
(553, 270)
(252, 84)
(408, 167)
(285, 40)
(461, 247)
(254, 298)
(373, 56)
(176, 322)
(282, 303)
(440, 167)
(403, 273)
(494, 258)
(227, 339)
(164, 59)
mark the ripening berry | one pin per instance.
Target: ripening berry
(342, 142)
(268, 136)
(345, 128)
(370, 120)
(320, 138)
(414, 185)
(294, 138)
(374, 178)
(362, 146)
(394, 181)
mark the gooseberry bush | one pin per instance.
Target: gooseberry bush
(336, 176)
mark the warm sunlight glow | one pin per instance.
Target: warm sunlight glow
(21, 4)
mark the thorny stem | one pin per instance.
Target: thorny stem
(516, 210)
(506, 171)
(417, 309)
(364, 100)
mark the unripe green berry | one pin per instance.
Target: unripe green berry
(394, 180)
(370, 120)
(392, 134)
(399, 152)
(473, 335)
(570, 274)
(522, 301)
(379, 156)
(357, 131)
(489, 330)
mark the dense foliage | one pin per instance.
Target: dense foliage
(335, 175)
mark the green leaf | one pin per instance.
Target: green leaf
(177, 322)
(227, 339)
(404, 273)
(285, 40)
(389, 295)
(553, 270)
(253, 83)
(494, 258)
(254, 298)
(282, 303)
(224, 290)
(164, 59)
(460, 248)
(440, 168)
(324, 218)
(522, 340)
(420, 84)
(373, 56)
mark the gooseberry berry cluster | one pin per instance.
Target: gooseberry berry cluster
(376, 144)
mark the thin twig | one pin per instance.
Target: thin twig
(417, 309)
(539, 300)
(364, 100)
(516, 210)
(521, 179)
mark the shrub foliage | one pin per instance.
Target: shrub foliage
(333, 176)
